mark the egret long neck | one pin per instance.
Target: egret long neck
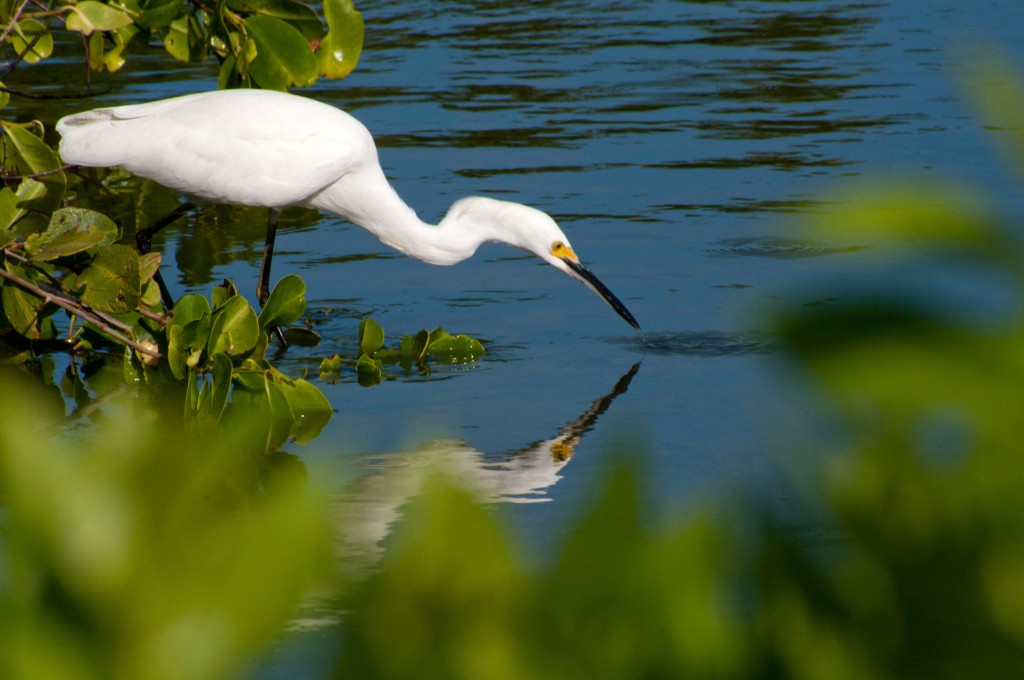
(368, 199)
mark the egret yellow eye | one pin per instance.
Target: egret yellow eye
(559, 249)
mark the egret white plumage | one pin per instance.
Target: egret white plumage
(273, 149)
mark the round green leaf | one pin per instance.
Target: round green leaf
(112, 283)
(70, 231)
(283, 56)
(457, 349)
(310, 409)
(371, 336)
(286, 303)
(301, 337)
(89, 16)
(29, 32)
(234, 328)
(338, 52)
(189, 308)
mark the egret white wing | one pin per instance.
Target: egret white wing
(250, 147)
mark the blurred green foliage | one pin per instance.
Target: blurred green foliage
(139, 549)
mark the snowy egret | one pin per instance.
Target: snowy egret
(273, 150)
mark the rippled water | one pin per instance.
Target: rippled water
(674, 142)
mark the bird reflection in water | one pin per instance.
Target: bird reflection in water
(373, 504)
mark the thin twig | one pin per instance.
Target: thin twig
(44, 173)
(161, 319)
(117, 323)
(79, 310)
(14, 20)
(38, 95)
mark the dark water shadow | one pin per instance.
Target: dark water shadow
(780, 248)
(699, 343)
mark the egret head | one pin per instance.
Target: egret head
(560, 254)
(543, 237)
(476, 219)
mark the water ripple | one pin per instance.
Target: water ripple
(775, 247)
(699, 343)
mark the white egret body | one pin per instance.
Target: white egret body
(273, 149)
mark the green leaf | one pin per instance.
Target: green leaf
(111, 283)
(21, 307)
(298, 14)
(9, 212)
(34, 195)
(330, 368)
(388, 354)
(195, 335)
(114, 59)
(286, 303)
(228, 76)
(27, 154)
(458, 349)
(302, 337)
(283, 56)
(192, 397)
(251, 378)
(437, 334)
(72, 230)
(189, 308)
(281, 420)
(184, 40)
(219, 382)
(338, 52)
(259, 350)
(919, 216)
(368, 371)
(149, 265)
(309, 408)
(416, 348)
(371, 336)
(25, 32)
(95, 46)
(176, 354)
(405, 347)
(159, 13)
(234, 329)
(222, 293)
(89, 16)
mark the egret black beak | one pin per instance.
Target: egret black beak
(594, 284)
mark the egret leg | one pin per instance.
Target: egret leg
(263, 285)
(144, 242)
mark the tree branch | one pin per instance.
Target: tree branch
(83, 311)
